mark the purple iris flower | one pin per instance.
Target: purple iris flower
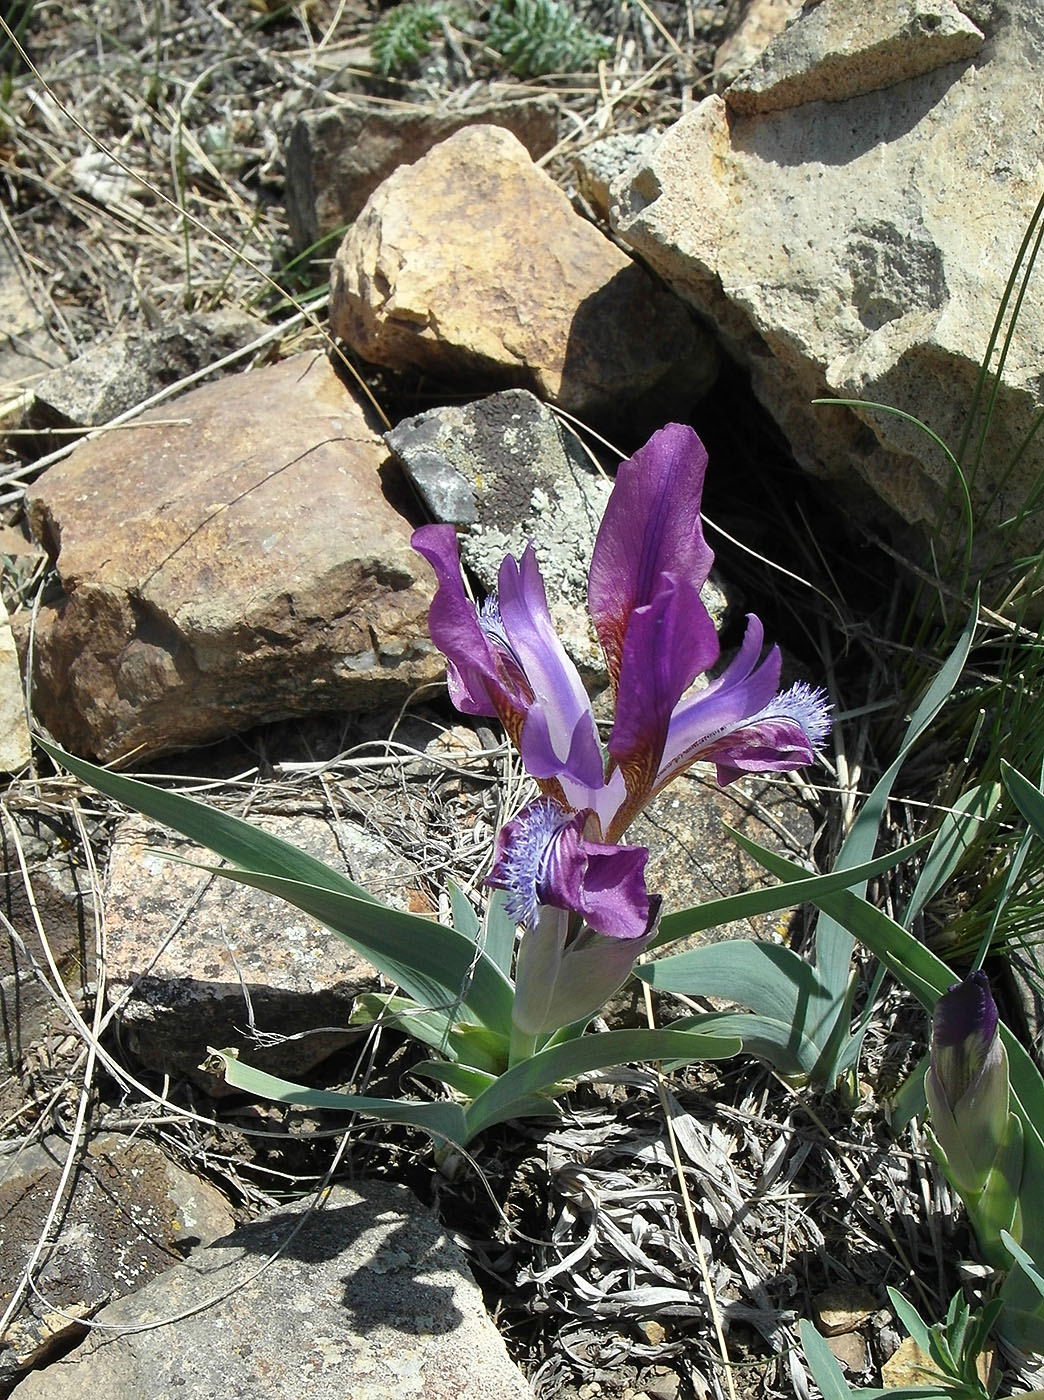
(650, 561)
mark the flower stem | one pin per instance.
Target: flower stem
(523, 1046)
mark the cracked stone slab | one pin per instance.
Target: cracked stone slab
(129, 1214)
(838, 50)
(210, 962)
(365, 1297)
(233, 557)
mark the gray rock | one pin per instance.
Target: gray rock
(212, 963)
(860, 249)
(230, 558)
(761, 21)
(364, 1297)
(14, 729)
(506, 470)
(115, 375)
(839, 50)
(596, 166)
(336, 158)
(130, 1213)
(58, 884)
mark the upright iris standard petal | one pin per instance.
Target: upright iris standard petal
(543, 860)
(663, 638)
(651, 529)
(559, 738)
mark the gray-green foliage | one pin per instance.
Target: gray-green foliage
(400, 40)
(533, 37)
(536, 37)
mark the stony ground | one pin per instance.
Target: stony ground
(143, 174)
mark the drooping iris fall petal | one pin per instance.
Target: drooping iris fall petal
(742, 724)
(543, 859)
(482, 677)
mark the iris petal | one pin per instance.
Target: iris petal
(543, 859)
(480, 682)
(741, 691)
(559, 737)
(668, 641)
(651, 528)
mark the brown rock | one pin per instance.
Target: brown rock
(130, 1214)
(850, 1349)
(842, 1308)
(236, 562)
(337, 157)
(471, 264)
(909, 1368)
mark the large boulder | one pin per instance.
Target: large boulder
(472, 266)
(859, 247)
(363, 1296)
(231, 558)
(195, 961)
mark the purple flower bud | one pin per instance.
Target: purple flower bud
(964, 1030)
(967, 1084)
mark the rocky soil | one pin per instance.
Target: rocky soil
(267, 309)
